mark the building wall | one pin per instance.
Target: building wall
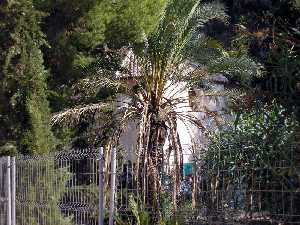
(193, 103)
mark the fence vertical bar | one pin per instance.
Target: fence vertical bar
(8, 190)
(13, 190)
(112, 186)
(101, 187)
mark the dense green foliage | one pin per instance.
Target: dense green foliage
(77, 30)
(256, 152)
(256, 139)
(74, 30)
(24, 111)
(270, 32)
(61, 57)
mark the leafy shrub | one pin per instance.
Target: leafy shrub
(252, 162)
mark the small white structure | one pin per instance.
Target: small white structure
(194, 103)
(198, 106)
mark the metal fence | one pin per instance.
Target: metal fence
(3, 191)
(219, 192)
(78, 187)
(69, 188)
(7, 191)
(59, 189)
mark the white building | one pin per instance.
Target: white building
(196, 104)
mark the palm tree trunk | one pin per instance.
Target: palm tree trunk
(150, 158)
(178, 161)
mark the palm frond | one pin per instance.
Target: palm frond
(174, 29)
(103, 72)
(74, 115)
(92, 84)
(214, 58)
(242, 67)
(230, 92)
(203, 49)
(209, 11)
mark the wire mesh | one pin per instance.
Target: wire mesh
(3, 191)
(58, 189)
(62, 189)
(240, 192)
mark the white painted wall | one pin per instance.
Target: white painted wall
(190, 135)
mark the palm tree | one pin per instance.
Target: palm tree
(166, 59)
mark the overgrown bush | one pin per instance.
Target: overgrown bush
(252, 164)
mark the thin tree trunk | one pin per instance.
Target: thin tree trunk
(178, 161)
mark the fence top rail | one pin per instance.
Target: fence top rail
(63, 155)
